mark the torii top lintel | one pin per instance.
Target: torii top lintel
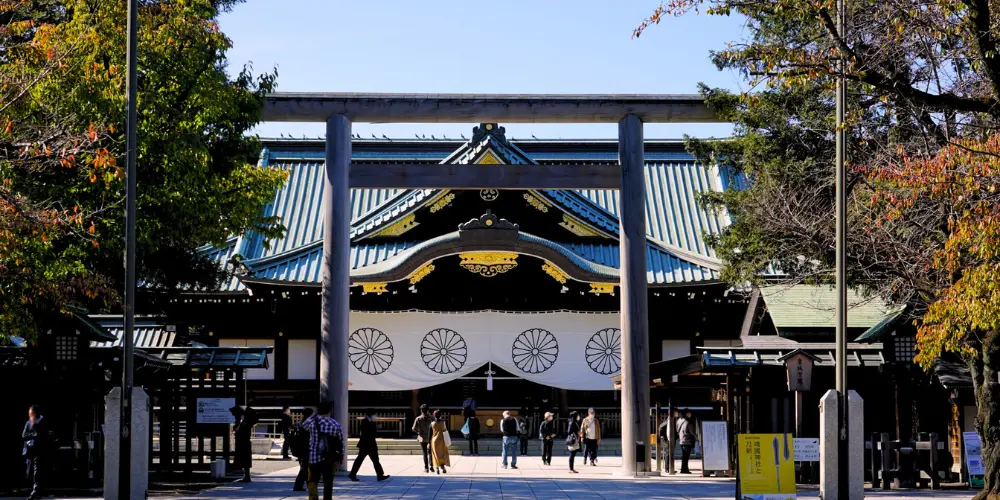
(481, 108)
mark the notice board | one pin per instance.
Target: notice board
(715, 445)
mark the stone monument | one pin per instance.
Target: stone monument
(140, 443)
(828, 465)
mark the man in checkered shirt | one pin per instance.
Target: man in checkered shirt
(322, 426)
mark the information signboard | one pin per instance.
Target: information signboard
(715, 445)
(973, 454)
(806, 449)
(215, 411)
(767, 466)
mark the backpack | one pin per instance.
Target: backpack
(509, 427)
(522, 427)
(298, 440)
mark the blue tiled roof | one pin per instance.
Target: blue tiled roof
(675, 222)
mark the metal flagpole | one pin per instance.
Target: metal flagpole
(843, 459)
(125, 451)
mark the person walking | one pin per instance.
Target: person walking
(283, 427)
(422, 427)
(246, 418)
(591, 436)
(298, 439)
(687, 436)
(573, 438)
(473, 427)
(368, 447)
(547, 435)
(37, 444)
(440, 440)
(508, 427)
(327, 449)
(522, 433)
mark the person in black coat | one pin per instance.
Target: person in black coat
(37, 446)
(245, 421)
(367, 447)
(474, 428)
(283, 427)
(547, 434)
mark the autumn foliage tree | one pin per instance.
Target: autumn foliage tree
(62, 113)
(923, 125)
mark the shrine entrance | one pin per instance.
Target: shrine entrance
(339, 111)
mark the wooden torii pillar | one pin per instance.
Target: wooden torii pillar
(339, 110)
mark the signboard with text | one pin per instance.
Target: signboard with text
(767, 466)
(806, 449)
(715, 445)
(973, 454)
(215, 411)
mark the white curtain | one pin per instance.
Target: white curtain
(415, 349)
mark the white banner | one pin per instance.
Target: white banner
(416, 349)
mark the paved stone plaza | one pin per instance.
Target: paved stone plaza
(483, 478)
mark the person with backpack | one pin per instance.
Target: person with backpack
(547, 435)
(471, 431)
(327, 448)
(522, 433)
(422, 427)
(687, 435)
(298, 444)
(508, 427)
(573, 438)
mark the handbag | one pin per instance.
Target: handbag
(465, 428)
(572, 442)
(447, 437)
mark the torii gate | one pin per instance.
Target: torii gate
(338, 110)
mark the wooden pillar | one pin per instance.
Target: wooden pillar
(336, 268)
(634, 317)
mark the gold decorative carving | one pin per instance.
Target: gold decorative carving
(536, 202)
(555, 272)
(442, 201)
(488, 264)
(399, 227)
(375, 287)
(489, 158)
(599, 288)
(421, 273)
(578, 228)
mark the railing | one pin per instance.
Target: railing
(267, 428)
(392, 422)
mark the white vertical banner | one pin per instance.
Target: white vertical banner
(416, 349)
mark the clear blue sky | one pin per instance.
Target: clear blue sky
(512, 46)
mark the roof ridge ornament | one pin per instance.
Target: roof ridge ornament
(489, 129)
(488, 221)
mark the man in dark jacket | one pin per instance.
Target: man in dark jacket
(687, 435)
(37, 444)
(547, 434)
(508, 427)
(367, 447)
(283, 426)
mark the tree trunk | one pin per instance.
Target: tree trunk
(984, 370)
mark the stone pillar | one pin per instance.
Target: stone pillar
(634, 317)
(336, 267)
(828, 428)
(856, 444)
(139, 462)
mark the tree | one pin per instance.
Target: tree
(923, 146)
(62, 114)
